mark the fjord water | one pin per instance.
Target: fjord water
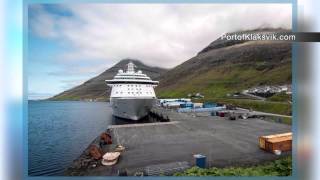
(59, 131)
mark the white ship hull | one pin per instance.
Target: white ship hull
(131, 108)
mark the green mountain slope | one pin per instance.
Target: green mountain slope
(225, 67)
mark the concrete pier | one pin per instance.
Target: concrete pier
(224, 142)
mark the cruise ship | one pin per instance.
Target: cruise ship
(132, 94)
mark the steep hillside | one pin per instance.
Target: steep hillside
(229, 66)
(97, 89)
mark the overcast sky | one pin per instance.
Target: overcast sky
(70, 43)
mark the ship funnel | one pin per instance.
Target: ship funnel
(130, 67)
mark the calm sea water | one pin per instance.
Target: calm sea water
(58, 132)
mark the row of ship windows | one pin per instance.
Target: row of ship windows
(131, 78)
(133, 89)
(131, 85)
(133, 92)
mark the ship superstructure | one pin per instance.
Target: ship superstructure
(132, 94)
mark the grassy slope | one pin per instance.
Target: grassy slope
(65, 97)
(281, 97)
(219, 81)
(281, 167)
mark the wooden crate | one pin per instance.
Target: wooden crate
(281, 142)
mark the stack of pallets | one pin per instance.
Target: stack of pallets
(280, 142)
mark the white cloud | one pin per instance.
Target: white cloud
(158, 34)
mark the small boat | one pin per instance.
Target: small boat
(110, 158)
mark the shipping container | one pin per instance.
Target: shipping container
(214, 109)
(197, 105)
(186, 105)
(221, 113)
(209, 105)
